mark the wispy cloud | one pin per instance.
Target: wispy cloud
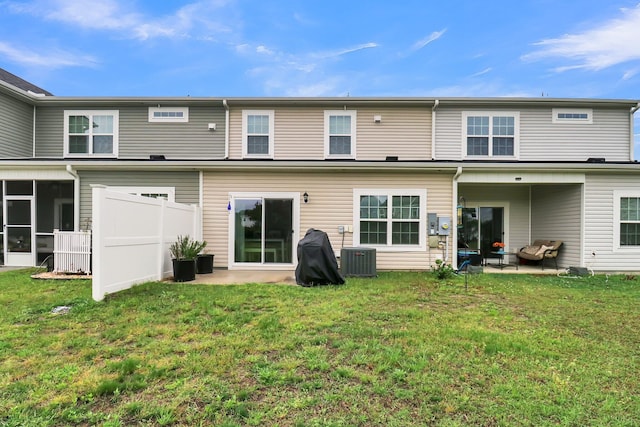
(300, 74)
(52, 58)
(610, 43)
(425, 41)
(483, 72)
(193, 20)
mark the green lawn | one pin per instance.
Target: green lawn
(400, 350)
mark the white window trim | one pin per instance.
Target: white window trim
(617, 195)
(422, 227)
(354, 118)
(137, 191)
(183, 119)
(245, 134)
(556, 111)
(491, 115)
(116, 128)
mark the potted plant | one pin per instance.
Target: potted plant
(184, 252)
(204, 263)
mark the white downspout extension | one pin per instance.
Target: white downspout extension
(226, 128)
(433, 129)
(76, 197)
(454, 217)
(631, 134)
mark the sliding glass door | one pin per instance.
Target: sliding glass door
(263, 230)
(481, 227)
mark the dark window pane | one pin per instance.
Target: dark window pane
(79, 144)
(405, 233)
(257, 145)
(339, 145)
(630, 234)
(503, 146)
(477, 146)
(373, 233)
(103, 144)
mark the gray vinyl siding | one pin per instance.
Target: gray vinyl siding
(299, 133)
(49, 132)
(192, 140)
(16, 128)
(186, 184)
(556, 214)
(542, 140)
(599, 224)
(331, 203)
(138, 139)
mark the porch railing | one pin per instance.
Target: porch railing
(72, 252)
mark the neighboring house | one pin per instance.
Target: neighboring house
(265, 170)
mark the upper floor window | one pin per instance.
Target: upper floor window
(491, 134)
(572, 115)
(257, 133)
(340, 134)
(91, 133)
(390, 218)
(169, 114)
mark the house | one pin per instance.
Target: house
(415, 178)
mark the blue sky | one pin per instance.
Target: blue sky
(532, 48)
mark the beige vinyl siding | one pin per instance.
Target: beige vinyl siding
(556, 214)
(186, 185)
(16, 128)
(402, 132)
(299, 133)
(330, 205)
(193, 140)
(599, 223)
(515, 198)
(542, 140)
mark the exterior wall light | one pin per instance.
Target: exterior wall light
(305, 197)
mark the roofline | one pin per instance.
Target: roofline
(305, 165)
(308, 101)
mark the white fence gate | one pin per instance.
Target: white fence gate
(72, 252)
(131, 238)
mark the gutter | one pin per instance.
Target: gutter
(433, 128)
(226, 128)
(631, 132)
(34, 132)
(76, 197)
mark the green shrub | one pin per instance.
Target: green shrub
(442, 270)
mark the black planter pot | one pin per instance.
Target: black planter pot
(204, 264)
(184, 270)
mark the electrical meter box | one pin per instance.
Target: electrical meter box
(444, 225)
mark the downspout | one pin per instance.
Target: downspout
(433, 129)
(34, 132)
(226, 128)
(76, 197)
(454, 216)
(631, 134)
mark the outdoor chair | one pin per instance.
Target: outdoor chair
(541, 250)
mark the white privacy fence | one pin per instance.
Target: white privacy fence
(131, 238)
(72, 252)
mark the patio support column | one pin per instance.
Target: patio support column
(454, 214)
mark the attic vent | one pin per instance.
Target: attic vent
(391, 158)
(596, 160)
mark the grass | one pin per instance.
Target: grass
(399, 350)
